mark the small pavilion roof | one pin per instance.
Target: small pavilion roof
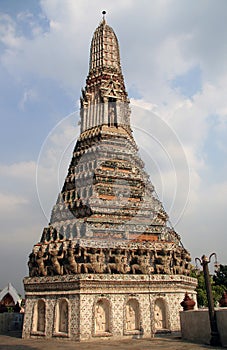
(12, 291)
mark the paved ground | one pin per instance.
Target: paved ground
(164, 343)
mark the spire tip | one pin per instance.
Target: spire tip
(103, 13)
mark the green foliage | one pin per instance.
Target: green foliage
(220, 277)
(9, 309)
(201, 290)
(218, 285)
(217, 293)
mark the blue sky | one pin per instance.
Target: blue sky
(189, 83)
(173, 56)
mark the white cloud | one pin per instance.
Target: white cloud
(29, 95)
(143, 104)
(24, 170)
(8, 35)
(53, 161)
(9, 203)
(21, 219)
(204, 223)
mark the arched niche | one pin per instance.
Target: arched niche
(132, 316)
(102, 317)
(39, 316)
(160, 314)
(112, 111)
(62, 316)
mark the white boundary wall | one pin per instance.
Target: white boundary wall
(195, 325)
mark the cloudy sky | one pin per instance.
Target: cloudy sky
(173, 56)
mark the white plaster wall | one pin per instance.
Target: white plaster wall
(221, 316)
(195, 325)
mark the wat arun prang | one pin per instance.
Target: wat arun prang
(108, 264)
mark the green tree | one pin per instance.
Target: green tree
(217, 290)
(220, 276)
(201, 290)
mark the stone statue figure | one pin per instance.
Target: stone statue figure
(143, 264)
(96, 261)
(72, 266)
(177, 261)
(112, 114)
(32, 265)
(162, 261)
(120, 263)
(100, 319)
(130, 318)
(186, 262)
(42, 270)
(54, 257)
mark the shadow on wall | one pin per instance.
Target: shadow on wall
(11, 323)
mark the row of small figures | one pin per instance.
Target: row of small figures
(74, 260)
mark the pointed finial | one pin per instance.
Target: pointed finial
(103, 17)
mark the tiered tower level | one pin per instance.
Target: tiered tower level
(107, 200)
(107, 223)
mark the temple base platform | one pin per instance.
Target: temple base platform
(86, 307)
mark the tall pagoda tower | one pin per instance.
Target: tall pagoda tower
(108, 264)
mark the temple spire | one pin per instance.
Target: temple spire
(104, 100)
(104, 51)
